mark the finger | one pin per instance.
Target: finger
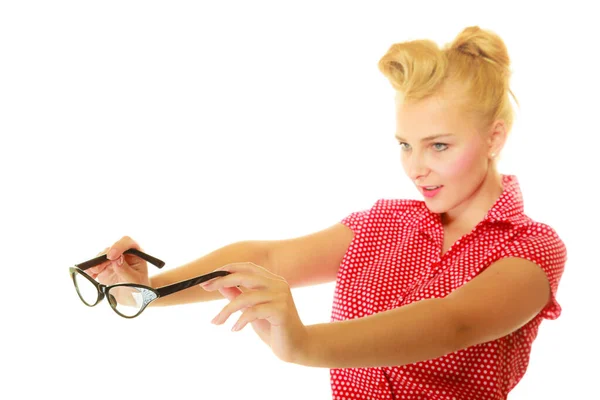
(114, 263)
(242, 301)
(206, 282)
(103, 251)
(258, 312)
(117, 249)
(126, 274)
(247, 267)
(230, 293)
(101, 267)
(95, 270)
(241, 267)
(249, 280)
(117, 274)
(106, 274)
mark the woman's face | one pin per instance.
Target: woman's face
(440, 146)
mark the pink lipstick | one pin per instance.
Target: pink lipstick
(430, 193)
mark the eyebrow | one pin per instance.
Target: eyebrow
(425, 139)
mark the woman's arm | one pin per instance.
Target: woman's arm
(244, 251)
(498, 301)
(305, 260)
(419, 331)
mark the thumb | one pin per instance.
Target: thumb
(124, 271)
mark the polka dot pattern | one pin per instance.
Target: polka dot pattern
(394, 260)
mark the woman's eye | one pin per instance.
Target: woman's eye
(436, 146)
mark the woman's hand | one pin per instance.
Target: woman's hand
(266, 302)
(121, 268)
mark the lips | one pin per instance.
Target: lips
(430, 191)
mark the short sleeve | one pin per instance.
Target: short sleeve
(356, 220)
(382, 208)
(544, 248)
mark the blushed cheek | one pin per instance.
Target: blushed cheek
(462, 164)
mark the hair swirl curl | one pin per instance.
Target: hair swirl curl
(473, 70)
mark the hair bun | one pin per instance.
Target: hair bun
(478, 42)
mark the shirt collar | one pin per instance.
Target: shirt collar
(508, 208)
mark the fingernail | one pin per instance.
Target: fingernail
(112, 254)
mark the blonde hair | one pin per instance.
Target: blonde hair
(474, 70)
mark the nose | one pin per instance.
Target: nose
(415, 165)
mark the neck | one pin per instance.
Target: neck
(470, 212)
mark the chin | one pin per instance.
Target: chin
(436, 208)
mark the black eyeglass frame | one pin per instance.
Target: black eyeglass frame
(149, 294)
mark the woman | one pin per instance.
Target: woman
(434, 299)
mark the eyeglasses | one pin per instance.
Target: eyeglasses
(127, 299)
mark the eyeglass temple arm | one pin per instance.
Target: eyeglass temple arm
(176, 287)
(102, 258)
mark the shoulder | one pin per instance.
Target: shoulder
(390, 206)
(404, 211)
(539, 233)
(385, 210)
(540, 243)
(386, 205)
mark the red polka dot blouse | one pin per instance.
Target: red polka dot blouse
(394, 260)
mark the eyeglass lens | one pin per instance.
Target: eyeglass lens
(129, 300)
(86, 289)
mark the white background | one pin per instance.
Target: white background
(191, 126)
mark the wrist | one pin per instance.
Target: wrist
(306, 347)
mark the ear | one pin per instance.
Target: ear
(496, 138)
